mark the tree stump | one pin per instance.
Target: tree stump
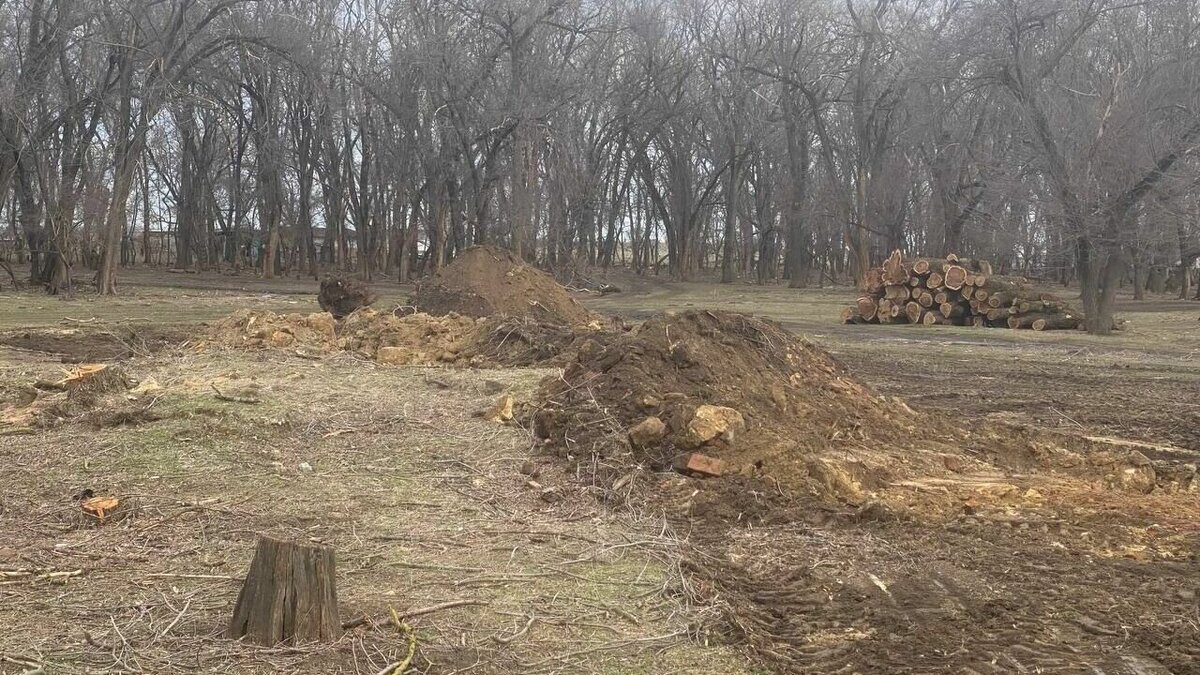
(289, 595)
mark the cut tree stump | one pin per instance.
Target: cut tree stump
(289, 596)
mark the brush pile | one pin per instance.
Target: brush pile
(956, 292)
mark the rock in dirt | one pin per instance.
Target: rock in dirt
(393, 355)
(1128, 471)
(485, 281)
(700, 465)
(953, 463)
(501, 411)
(340, 296)
(647, 433)
(711, 422)
(146, 386)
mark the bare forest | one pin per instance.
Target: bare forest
(478, 337)
(755, 139)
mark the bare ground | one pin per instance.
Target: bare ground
(1033, 566)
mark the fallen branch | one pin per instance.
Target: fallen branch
(363, 620)
(514, 636)
(170, 575)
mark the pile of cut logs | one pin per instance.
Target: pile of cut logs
(956, 291)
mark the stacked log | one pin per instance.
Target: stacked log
(954, 291)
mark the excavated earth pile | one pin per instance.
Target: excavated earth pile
(415, 339)
(412, 339)
(486, 307)
(720, 393)
(484, 281)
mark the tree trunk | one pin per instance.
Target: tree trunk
(729, 255)
(1140, 277)
(798, 143)
(289, 596)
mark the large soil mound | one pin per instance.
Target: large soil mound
(801, 422)
(484, 281)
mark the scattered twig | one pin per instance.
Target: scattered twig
(28, 663)
(18, 575)
(171, 575)
(509, 638)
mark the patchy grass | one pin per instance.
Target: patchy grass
(425, 503)
(421, 499)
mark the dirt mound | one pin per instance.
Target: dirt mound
(524, 341)
(769, 406)
(484, 281)
(250, 329)
(415, 339)
(340, 296)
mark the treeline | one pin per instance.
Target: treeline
(764, 139)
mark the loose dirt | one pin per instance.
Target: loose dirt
(810, 428)
(485, 281)
(408, 340)
(957, 537)
(883, 539)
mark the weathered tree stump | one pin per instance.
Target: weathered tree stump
(289, 595)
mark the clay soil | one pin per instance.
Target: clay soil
(1036, 511)
(489, 282)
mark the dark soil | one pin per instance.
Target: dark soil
(870, 538)
(525, 341)
(485, 281)
(969, 596)
(810, 427)
(85, 345)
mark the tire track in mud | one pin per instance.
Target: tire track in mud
(965, 598)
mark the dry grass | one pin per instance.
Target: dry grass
(422, 500)
(428, 510)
